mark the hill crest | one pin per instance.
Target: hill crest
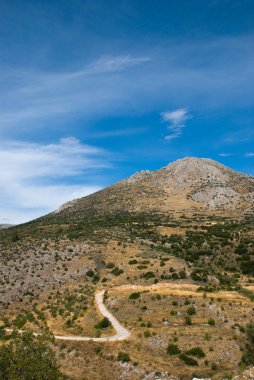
(185, 185)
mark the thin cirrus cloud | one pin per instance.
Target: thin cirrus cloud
(225, 154)
(249, 154)
(32, 95)
(34, 178)
(183, 73)
(176, 120)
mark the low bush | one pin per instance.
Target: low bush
(191, 310)
(103, 324)
(211, 322)
(173, 349)
(123, 357)
(134, 296)
(196, 351)
(188, 360)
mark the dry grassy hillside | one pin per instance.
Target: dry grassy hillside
(189, 226)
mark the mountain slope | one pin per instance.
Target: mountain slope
(187, 227)
(3, 226)
(187, 185)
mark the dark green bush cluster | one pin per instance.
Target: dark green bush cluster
(196, 351)
(188, 360)
(28, 357)
(248, 357)
(173, 349)
(116, 271)
(123, 357)
(186, 356)
(134, 296)
(103, 324)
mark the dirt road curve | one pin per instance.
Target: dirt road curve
(121, 332)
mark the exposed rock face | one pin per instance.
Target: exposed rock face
(138, 176)
(186, 185)
(65, 206)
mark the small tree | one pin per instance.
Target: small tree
(196, 351)
(103, 324)
(191, 310)
(188, 320)
(172, 349)
(123, 357)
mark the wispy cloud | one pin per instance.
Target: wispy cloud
(118, 132)
(185, 73)
(238, 136)
(108, 64)
(34, 177)
(249, 154)
(29, 95)
(225, 154)
(176, 120)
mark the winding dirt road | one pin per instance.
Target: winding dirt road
(121, 332)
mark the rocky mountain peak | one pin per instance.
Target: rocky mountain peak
(195, 168)
(187, 185)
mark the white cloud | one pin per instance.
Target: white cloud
(107, 64)
(177, 120)
(118, 132)
(249, 154)
(33, 95)
(225, 154)
(35, 178)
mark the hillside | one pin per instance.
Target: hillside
(186, 186)
(188, 228)
(3, 226)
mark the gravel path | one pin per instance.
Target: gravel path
(121, 332)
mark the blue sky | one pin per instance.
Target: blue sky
(93, 91)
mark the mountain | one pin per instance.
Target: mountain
(173, 248)
(186, 186)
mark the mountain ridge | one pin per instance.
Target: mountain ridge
(185, 185)
(187, 227)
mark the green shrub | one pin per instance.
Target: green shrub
(148, 275)
(116, 271)
(248, 356)
(110, 265)
(123, 357)
(134, 296)
(211, 322)
(188, 320)
(172, 349)
(191, 310)
(133, 262)
(28, 357)
(196, 351)
(103, 324)
(20, 321)
(188, 360)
